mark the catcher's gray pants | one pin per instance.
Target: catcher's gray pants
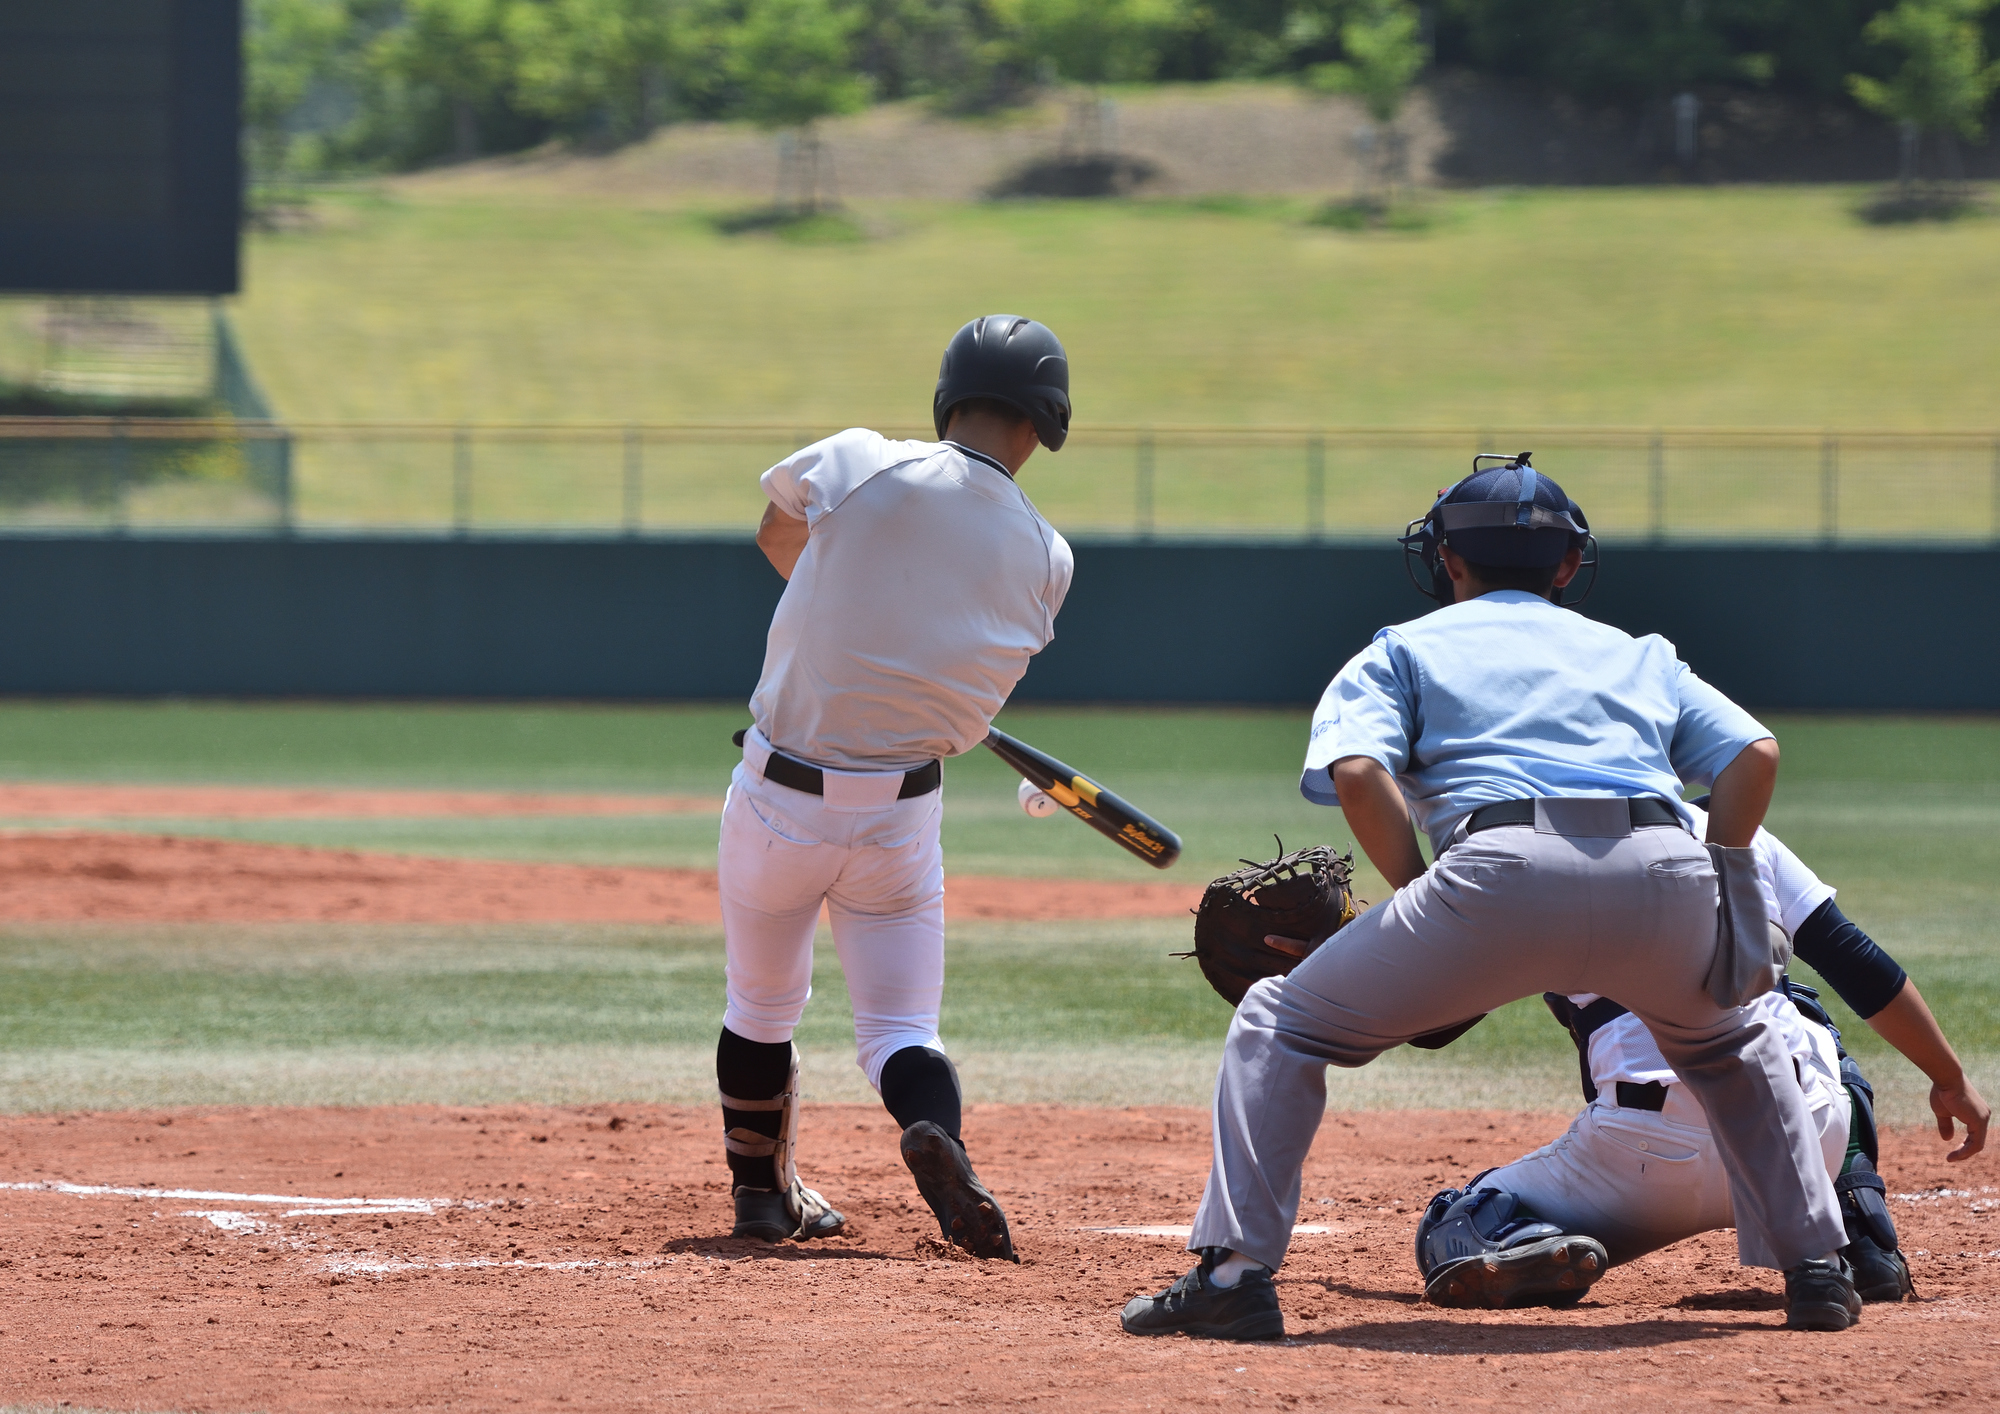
(1504, 914)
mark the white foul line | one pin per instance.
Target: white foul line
(316, 1207)
(1167, 1230)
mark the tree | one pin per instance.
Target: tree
(792, 63)
(459, 49)
(1619, 51)
(957, 52)
(1095, 41)
(287, 46)
(1944, 82)
(1383, 44)
(595, 63)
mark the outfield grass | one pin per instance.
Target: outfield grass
(1732, 306)
(1902, 815)
(1739, 307)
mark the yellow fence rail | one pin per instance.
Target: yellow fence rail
(125, 475)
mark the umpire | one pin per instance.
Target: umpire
(1543, 753)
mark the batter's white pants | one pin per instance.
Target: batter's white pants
(1638, 1181)
(879, 869)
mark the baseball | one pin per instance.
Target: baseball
(1038, 803)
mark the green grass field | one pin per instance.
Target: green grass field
(1734, 307)
(1743, 307)
(1902, 815)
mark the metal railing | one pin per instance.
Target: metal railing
(1636, 484)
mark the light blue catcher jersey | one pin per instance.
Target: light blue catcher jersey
(1507, 697)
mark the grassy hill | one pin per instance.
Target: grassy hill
(1738, 306)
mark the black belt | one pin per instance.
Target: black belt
(810, 779)
(1646, 810)
(1651, 1096)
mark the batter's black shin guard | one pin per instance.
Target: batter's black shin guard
(919, 1083)
(751, 1070)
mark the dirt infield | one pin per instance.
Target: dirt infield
(539, 1258)
(34, 800)
(72, 875)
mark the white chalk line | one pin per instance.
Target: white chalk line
(235, 1222)
(1170, 1230)
(318, 1207)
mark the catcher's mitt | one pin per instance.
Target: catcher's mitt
(1301, 895)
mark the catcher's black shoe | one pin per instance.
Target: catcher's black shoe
(1550, 1272)
(968, 1216)
(1195, 1306)
(1878, 1275)
(769, 1215)
(1485, 1249)
(1820, 1296)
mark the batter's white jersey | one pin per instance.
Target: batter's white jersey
(928, 581)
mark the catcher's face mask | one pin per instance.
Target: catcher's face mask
(1506, 515)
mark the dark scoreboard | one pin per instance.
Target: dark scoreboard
(120, 167)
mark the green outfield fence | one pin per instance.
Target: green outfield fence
(177, 475)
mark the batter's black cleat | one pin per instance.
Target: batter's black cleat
(1486, 1250)
(968, 1216)
(761, 1214)
(767, 1215)
(1820, 1296)
(1878, 1275)
(1195, 1306)
(1554, 1271)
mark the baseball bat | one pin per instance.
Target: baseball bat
(1118, 820)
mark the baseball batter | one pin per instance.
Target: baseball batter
(1638, 1169)
(1544, 755)
(920, 580)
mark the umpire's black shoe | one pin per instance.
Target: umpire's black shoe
(1820, 1296)
(1196, 1306)
(1555, 1271)
(1878, 1275)
(968, 1216)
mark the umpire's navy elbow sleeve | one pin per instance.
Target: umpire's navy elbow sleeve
(1853, 964)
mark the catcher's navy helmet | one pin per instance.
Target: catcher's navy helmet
(1508, 516)
(1010, 360)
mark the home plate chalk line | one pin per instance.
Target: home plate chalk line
(235, 1222)
(1169, 1230)
(316, 1207)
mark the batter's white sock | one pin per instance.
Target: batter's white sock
(1230, 1270)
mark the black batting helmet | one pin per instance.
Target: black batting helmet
(1509, 516)
(1010, 360)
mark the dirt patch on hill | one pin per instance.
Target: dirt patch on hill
(1190, 142)
(545, 1259)
(73, 875)
(1275, 139)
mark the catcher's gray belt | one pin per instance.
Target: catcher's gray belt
(1646, 810)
